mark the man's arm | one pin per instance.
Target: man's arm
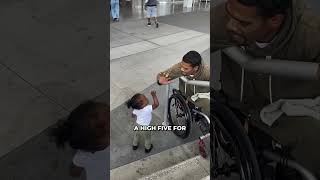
(168, 75)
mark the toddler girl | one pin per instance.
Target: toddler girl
(142, 110)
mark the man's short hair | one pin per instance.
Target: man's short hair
(269, 8)
(193, 58)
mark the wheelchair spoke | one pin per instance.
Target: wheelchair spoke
(227, 159)
(179, 114)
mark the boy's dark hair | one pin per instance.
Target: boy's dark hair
(133, 102)
(269, 8)
(193, 58)
(74, 129)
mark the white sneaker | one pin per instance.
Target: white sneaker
(164, 123)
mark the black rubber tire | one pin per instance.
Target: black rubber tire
(228, 121)
(179, 98)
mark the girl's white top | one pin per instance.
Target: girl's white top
(144, 115)
(95, 164)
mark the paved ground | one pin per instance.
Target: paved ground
(50, 61)
(137, 54)
(39, 159)
(122, 132)
(144, 51)
(164, 160)
(193, 21)
(52, 57)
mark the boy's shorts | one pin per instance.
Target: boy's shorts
(151, 11)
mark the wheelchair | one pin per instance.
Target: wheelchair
(239, 149)
(253, 153)
(239, 146)
(183, 113)
(234, 152)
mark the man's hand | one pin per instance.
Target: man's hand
(164, 80)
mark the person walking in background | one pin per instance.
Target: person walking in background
(151, 8)
(115, 9)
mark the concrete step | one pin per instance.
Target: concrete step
(192, 169)
(161, 161)
(206, 178)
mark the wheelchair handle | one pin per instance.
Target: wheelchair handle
(195, 82)
(294, 69)
(187, 81)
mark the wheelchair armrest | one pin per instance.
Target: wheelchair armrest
(191, 105)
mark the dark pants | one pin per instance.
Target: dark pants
(300, 132)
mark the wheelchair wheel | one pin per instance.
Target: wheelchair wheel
(179, 114)
(232, 151)
(203, 124)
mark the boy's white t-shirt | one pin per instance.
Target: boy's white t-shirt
(95, 164)
(144, 115)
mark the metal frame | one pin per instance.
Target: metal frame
(190, 82)
(294, 69)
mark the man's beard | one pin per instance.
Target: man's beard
(185, 74)
(188, 74)
(238, 39)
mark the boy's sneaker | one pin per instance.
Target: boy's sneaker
(157, 25)
(148, 150)
(135, 147)
(149, 24)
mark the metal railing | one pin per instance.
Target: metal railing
(195, 82)
(294, 69)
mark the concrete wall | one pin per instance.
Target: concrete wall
(52, 57)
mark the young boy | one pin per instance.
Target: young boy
(151, 8)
